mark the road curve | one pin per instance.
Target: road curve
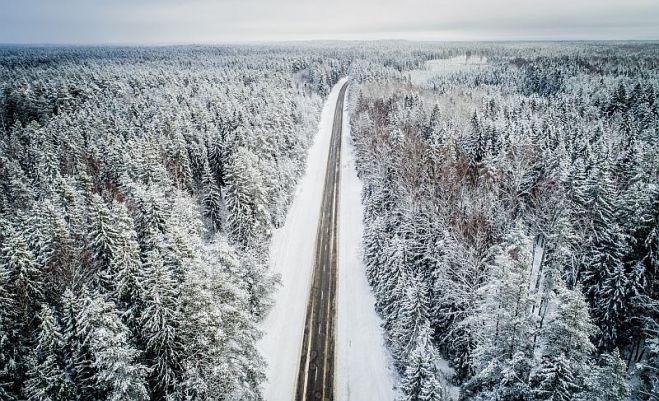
(316, 375)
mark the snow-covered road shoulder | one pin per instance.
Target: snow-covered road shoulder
(362, 364)
(362, 361)
(291, 256)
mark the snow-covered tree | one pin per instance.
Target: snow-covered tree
(47, 376)
(412, 318)
(245, 197)
(566, 348)
(118, 375)
(422, 380)
(212, 198)
(504, 324)
(159, 322)
(607, 380)
(103, 238)
(126, 264)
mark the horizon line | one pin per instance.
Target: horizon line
(328, 40)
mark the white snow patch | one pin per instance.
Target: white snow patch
(362, 361)
(448, 372)
(538, 253)
(444, 67)
(455, 63)
(291, 256)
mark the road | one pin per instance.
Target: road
(316, 375)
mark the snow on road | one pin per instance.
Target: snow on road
(362, 361)
(291, 256)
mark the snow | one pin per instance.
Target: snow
(448, 372)
(362, 361)
(538, 253)
(445, 67)
(455, 63)
(291, 256)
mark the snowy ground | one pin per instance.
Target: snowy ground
(362, 371)
(362, 362)
(443, 67)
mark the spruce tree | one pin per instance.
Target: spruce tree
(504, 326)
(118, 376)
(127, 266)
(245, 197)
(607, 380)
(212, 199)
(605, 280)
(412, 318)
(48, 379)
(25, 275)
(159, 323)
(103, 239)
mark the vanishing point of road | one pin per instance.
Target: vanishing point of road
(315, 379)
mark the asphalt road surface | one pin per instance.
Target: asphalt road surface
(316, 376)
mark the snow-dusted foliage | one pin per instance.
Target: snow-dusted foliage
(138, 190)
(512, 206)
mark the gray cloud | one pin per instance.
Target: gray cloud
(216, 21)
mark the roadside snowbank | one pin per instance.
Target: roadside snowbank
(291, 256)
(362, 361)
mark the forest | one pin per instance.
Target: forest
(512, 221)
(511, 214)
(138, 189)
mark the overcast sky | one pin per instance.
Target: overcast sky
(221, 21)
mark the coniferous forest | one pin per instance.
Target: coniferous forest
(138, 191)
(511, 196)
(512, 222)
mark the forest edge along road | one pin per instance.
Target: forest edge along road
(316, 373)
